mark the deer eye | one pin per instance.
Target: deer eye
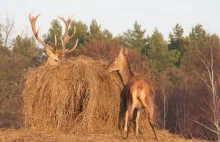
(56, 60)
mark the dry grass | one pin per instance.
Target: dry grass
(77, 96)
(8, 135)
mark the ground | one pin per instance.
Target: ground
(22, 135)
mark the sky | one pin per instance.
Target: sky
(117, 15)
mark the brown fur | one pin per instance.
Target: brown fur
(139, 92)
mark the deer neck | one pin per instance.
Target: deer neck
(126, 72)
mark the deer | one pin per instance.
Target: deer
(53, 52)
(139, 93)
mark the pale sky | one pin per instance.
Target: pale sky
(118, 15)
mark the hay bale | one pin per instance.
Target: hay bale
(78, 95)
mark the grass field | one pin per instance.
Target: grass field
(22, 135)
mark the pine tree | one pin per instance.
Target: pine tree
(55, 30)
(81, 34)
(158, 54)
(26, 47)
(197, 35)
(134, 38)
(176, 42)
(107, 34)
(95, 31)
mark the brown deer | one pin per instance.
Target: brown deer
(138, 92)
(54, 53)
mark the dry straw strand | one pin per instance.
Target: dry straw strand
(78, 95)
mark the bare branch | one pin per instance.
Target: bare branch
(8, 27)
(209, 87)
(210, 129)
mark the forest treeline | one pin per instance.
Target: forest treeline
(184, 70)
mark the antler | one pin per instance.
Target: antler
(66, 36)
(33, 22)
(55, 42)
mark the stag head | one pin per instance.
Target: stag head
(55, 53)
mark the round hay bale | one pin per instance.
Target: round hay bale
(78, 95)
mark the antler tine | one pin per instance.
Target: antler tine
(55, 42)
(66, 37)
(61, 40)
(66, 23)
(73, 33)
(61, 18)
(33, 23)
(71, 17)
(71, 50)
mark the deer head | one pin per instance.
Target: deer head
(122, 65)
(54, 53)
(119, 62)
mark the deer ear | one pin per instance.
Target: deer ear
(121, 51)
(125, 51)
(49, 52)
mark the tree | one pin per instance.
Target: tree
(174, 38)
(100, 49)
(7, 28)
(157, 51)
(197, 35)
(81, 34)
(134, 38)
(197, 39)
(95, 31)
(1, 37)
(211, 79)
(177, 42)
(27, 48)
(164, 86)
(13, 66)
(107, 34)
(55, 30)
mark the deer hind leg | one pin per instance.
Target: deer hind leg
(150, 108)
(149, 105)
(150, 119)
(130, 115)
(136, 121)
(126, 121)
